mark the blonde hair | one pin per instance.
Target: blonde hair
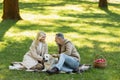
(39, 35)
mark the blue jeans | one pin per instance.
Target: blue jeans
(67, 63)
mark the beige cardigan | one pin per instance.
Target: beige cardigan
(69, 49)
(35, 53)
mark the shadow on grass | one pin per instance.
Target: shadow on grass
(66, 29)
(1, 6)
(37, 5)
(104, 24)
(46, 28)
(42, 7)
(61, 26)
(5, 26)
(114, 16)
(117, 5)
(97, 50)
(15, 50)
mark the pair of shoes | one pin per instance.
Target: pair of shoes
(53, 71)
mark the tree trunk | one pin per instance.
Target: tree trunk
(103, 4)
(11, 10)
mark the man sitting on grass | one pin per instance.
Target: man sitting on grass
(69, 58)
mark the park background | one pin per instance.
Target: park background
(93, 30)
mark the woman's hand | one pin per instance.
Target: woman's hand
(40, 59)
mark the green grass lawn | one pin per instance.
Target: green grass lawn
(92, 30)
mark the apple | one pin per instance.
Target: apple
(99, 60)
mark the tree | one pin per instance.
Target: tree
(11, 10)
(103, 4)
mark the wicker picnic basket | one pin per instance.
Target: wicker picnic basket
(99, 62)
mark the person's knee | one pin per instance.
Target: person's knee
(62, 55)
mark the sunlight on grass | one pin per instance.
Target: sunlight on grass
(2, 76)
(78, 40)
(114, 9)
(35, 18)
(92, 30)
(0, 15)
(42, 1)
(109, 48)
(66, 7)
(3, 45)
(20, 35)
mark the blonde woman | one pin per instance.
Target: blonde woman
(34, 56)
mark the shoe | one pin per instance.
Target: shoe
(84, 67)
(76, 70)
(53, 71)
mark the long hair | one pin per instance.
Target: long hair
(39, 35)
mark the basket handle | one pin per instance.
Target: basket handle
(99, 56)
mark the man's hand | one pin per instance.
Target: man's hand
(55, 55)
